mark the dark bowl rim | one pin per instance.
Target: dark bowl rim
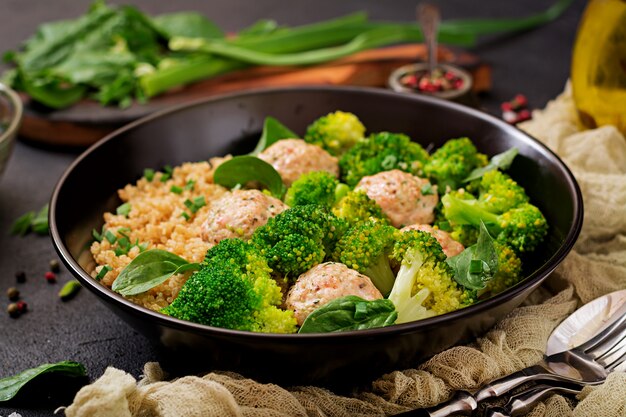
(533, 279)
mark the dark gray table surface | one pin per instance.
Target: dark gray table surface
(535, 63)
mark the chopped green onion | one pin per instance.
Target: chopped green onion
(69, 290)
(123, 231)
(185, 215)
(124, 209)
(167, 174)
(176, 189)
(142, 246)
(97, 236)
(199, 202)
(476, 266)
(445, 226)
(427, 189)
(110, 236)
(148, 174)
(103, 272)
(190, 185)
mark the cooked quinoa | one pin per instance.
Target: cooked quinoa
(156, 221)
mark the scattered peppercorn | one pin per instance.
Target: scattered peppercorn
(55, 266)
(20, 276)
(50, 277)
(13, 294)
(438, 81)
(22, 307)
(516, 111)
(13, 310)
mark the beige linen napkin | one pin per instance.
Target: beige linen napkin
(596, 266)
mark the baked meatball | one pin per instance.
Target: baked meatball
(401, 196)
(238, 214)
(294, 157)
(324, 283)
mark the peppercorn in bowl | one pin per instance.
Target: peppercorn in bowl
(168, 197)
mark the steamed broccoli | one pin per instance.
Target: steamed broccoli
(298, 239)
(233, 289)
(336, 132)
(449, 165)
(425, 285)
(381, 152)
(499, 193)
(316, 187)
(522, 227)
(509, 270)
(366, 248)
(356, 207)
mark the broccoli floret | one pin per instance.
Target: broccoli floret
(499, 193)
(316, 187)
(449, 165)
(298, 239)
(357, 207)
(381, 152)
(366, 248)
(425, 285)
(336, 132)
(509, 271)
(522, 227)
(233, 289)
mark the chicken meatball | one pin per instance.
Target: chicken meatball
(404, 198)
(294, 157)
(238, 214)
(450, 246)
(324, 283)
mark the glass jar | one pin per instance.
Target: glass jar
(599, 65)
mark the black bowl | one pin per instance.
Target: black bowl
(231, 124)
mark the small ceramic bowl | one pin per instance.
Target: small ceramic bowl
(10, 119)
(459, 95)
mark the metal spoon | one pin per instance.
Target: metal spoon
(429, 17)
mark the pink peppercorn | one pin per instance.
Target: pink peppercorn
(50, 277)
(22, 307)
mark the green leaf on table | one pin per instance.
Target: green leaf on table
(240, 170)
(273, 131)
(350, 313)
(187, 24)
(149, 269)
(477, 264)
(31, 221)
(500, 161)
(10, 386)
(260, 27)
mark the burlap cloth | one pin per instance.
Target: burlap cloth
(596, 266)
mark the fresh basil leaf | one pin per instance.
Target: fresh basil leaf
(149, 269)
(350, 313)
(500, 161)
(39, 224)
(273, 131)
(10, 386)
(187, 24)
(477, 264)
(242, 169)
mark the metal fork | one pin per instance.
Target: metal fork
(589, 363)
(524, 402)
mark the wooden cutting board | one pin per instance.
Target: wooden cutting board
(88, 121)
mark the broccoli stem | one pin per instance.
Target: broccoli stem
(468, 212)
(381, 274)
(409, 306)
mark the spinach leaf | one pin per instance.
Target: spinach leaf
(273, 131)
(350, 313)
(149, 269)
(10, 386)
(500, 161)
(240, 170)
(188, 25)
(477, 264)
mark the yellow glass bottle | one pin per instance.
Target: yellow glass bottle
(599, 65)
